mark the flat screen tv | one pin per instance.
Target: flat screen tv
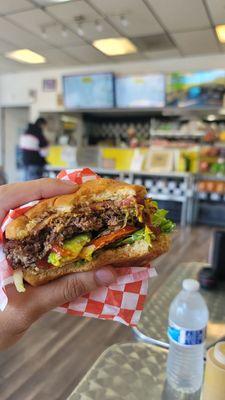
(88, 91)
(140, 90)
(196, 89)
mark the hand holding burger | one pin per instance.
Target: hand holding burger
(103, 222)
(63, 246)
(25, 308)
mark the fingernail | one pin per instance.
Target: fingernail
(105, 276)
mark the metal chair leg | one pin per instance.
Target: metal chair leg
(140, 336)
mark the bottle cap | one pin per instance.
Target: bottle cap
(191, 285)
(219, 352)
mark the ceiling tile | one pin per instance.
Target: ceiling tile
(33, 20)
(158, 55)
(91, 33)
(19, 37)
(217, 11)
(9, 6)
(59, 58)
(181, 15)
(36, 20)
(196, 42)
(153, 42)
(138, 24)
(67, 11)
(140, 19)
(129, 57)
(86, 54)
(6, 47)
(118, 7)
(55, 37)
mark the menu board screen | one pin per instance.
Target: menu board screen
(89, 91)
(140, 90)
(203, 88)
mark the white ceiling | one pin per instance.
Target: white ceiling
(188, 26)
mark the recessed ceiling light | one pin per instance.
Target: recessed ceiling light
(44, 33)
(115, 46)
(124, 21)
(64, 32)
(80, 30)
(26, 56)
(98, 26)
(220, 31)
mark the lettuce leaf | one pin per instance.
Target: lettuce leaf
(54, 259)
(147, 235)
(158, 217)
(159, 220)
(141, 234)
(167, 226)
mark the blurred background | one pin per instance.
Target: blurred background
(129, 88)
(133, 89)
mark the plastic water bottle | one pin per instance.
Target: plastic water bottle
(188, 318)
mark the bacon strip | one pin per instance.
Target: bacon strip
(103, 241)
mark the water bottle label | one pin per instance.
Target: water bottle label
(186, 337)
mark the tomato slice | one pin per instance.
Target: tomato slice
(112, 237)
(61, 251)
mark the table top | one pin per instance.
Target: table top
(131, 371)
(134, 371)
(154, 318)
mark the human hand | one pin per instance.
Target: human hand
(25, 308)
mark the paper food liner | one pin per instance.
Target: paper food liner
(123, 301)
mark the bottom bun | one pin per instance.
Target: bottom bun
(136, 254)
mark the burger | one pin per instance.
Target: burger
(103, 222)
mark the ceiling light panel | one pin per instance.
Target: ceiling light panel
(26, 56)
(220, 31)
(115, 46)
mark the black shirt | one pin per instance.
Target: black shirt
(31, 143)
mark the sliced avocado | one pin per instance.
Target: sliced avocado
(75, 245)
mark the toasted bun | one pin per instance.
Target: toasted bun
(91, 191)
(137, 254)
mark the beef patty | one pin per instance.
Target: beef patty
(26, 252)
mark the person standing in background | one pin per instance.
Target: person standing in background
(34, 147)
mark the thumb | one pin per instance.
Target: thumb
(68, 288)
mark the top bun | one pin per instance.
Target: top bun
(89, 192)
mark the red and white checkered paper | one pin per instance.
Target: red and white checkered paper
(123, 301)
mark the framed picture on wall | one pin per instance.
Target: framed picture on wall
(49, 85)
(159, 160)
